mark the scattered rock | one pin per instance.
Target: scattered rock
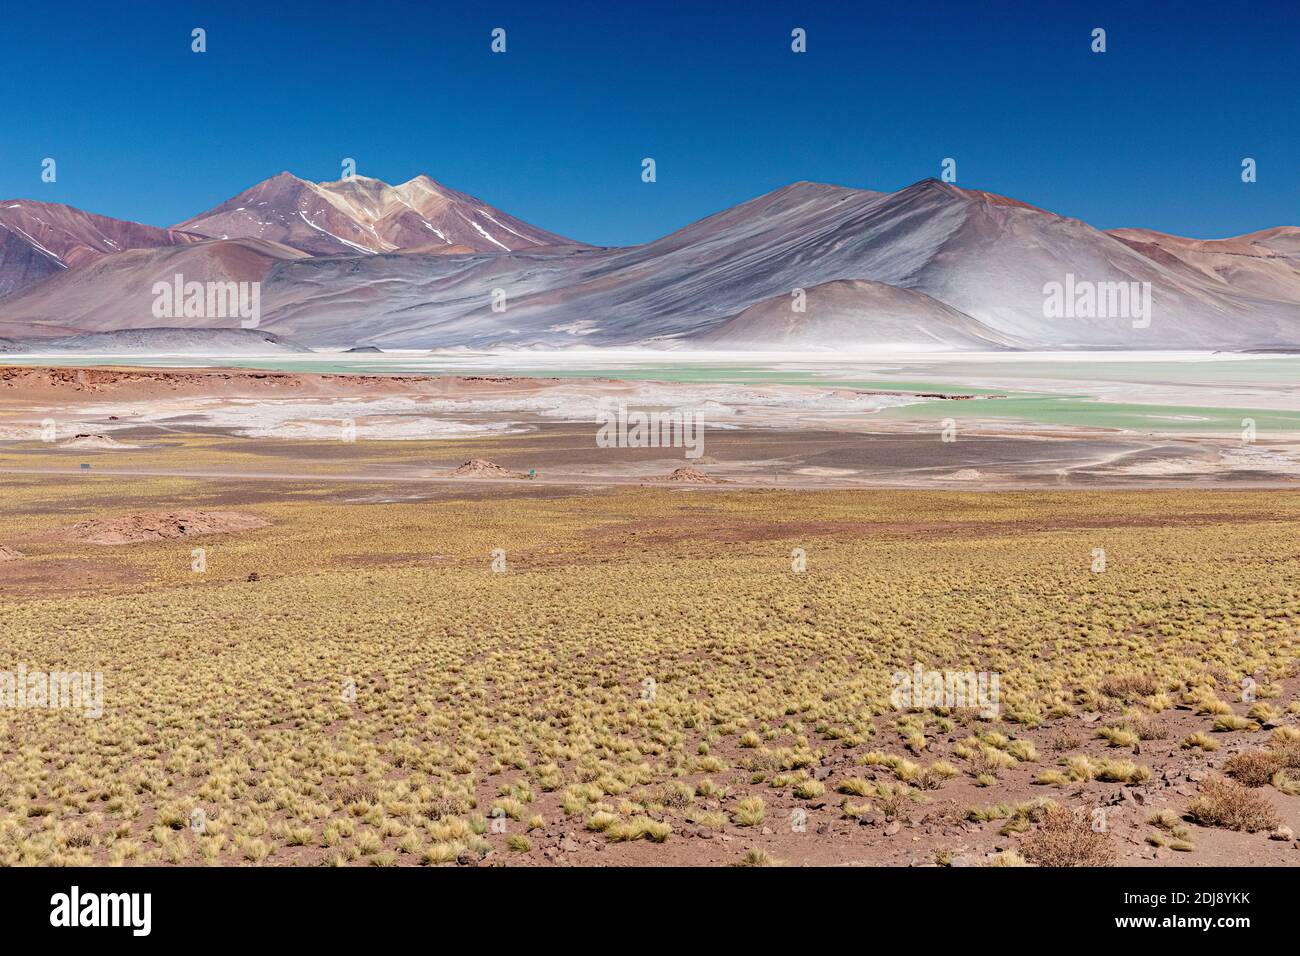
(694, 476)
(94, 441)
(253, 576)
(482, 468)
(570, 846)
(1283, 832)
(892, 827)
(704, 833)
(467, 858)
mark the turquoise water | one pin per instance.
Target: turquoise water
(1017, 389)
(1083, 410)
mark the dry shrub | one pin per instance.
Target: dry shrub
(1226, 803)
(1286, 750)
(1147, 726)
(1129, 686)
(1066, 838)
(357, 793)
(990, 760)
(1065, 739)
(444, 804)
(1254, 768)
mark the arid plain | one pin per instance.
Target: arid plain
(350, 648)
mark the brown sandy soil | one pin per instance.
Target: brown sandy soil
(565, 453)
(130, 529)
(41, 384)
(31, 576)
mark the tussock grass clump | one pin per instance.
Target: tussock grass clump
(933, 776)
(989, 761)
(758, 858)
(1229, 723)
(894, 798)
(1204, 701)
(1007, 858)
(1175, 836)
(855, 786)
(713, 819)
(1283, 782)
(749, 812)
(1119, 737)
(1019, 816)
(1263, 712)
(808, 789)
(1122, 771)
(440, 853)
(638, 828)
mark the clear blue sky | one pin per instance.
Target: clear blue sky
(1151, 133)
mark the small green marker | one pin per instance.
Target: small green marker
(532, 472)
(85, 467)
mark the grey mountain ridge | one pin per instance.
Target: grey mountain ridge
(928, 266)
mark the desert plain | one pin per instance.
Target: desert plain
(378, 616)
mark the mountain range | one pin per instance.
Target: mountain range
(358, 262)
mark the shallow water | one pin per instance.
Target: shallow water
(1103, 390)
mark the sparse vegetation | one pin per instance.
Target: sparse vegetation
(1228, 804)
(473, 692)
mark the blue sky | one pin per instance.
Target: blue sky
(1151, 133)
